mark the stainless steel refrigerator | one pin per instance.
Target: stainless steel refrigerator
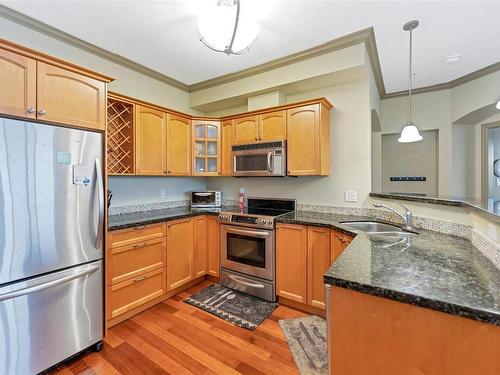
(51, 244)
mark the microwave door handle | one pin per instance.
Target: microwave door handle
(203, 194)
(269, 158)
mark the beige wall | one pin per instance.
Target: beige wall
(350, 139)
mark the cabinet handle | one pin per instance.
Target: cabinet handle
(256, 138)
(139, 227)
(137, 245)
(42, 112)
(140, 279)
(169, 225)
(169, 171)
(31, 110)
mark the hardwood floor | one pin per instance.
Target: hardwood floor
(176, 338)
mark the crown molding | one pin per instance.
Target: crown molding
(450, 84)
(43, 28)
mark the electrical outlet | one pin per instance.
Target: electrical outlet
(163, 194)
(351, 196)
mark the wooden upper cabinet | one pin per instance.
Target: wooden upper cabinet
(179, 253)
(318, 261)
(213, 245)
(308, 140)
(272, 126)
(200, 255)
(150, 147)
(17, 85)
(226, 149)
(291, 262)
(178, 146)
(246, 130)
(70, 98)
(206, 148)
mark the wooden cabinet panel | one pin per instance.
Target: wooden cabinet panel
(70, 98)
(136, 259)
(18, 85)
(272, 126)
(246, 130)
(179, 253)
(150, 147)
(318, 261)
(200, 256)
(213, 246)
(178, 146)
(135, 292)
(291, 262)
(303, 140)
(136, 234)
(339, 242)
(227, 143)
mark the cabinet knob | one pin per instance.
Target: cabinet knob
(31, 110)
(256, 138)
(42, 112)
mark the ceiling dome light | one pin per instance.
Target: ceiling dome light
(498, 104)
(450, 60)
(228, 26)
(410, 132)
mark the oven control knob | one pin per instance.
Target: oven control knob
(269, 222)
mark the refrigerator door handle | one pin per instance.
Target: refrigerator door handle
(47, 285)
(100, 195)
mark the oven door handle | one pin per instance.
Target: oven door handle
(238, 280)
(250, 232)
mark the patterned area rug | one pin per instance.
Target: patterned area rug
(306, 338)
(238, 308)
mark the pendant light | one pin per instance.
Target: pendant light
(225, 27)
(410, 132)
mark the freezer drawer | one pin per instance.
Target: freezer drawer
(47, 319)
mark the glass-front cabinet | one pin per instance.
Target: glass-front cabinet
(206, 148)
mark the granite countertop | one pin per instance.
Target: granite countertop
(432, 270)
(489, 208)
(133, 219)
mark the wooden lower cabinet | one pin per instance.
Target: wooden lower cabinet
(135, 292)
(303, 254)
(179, 253)
(133, 260)
(318, 261)
(213, 246)
(291, 262)
(200, 256)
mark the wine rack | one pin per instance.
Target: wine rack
(120, 136)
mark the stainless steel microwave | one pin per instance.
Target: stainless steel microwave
(260, 159)
(206, 199)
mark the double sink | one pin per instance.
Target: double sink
(374, 227)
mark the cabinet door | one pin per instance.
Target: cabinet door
(200, 256)
(179, 253)
(70, 98)
(272, 126)
(206, 148)
(303, 140)
(150, 148)
(18, 85)
(178, 146)
(246, 130)
(227, 144)
(291, 262)
(318, 261)
(213, 246)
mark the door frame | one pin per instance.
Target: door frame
(484, 156)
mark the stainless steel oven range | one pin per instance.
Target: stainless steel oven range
(247, 246)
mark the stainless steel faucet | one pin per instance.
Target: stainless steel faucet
(406, 216)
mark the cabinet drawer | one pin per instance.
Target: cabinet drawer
(129, 261)
(135, 292)
(136, 234)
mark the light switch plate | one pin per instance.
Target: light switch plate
(351, 196)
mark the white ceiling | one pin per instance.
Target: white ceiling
(162, 35)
